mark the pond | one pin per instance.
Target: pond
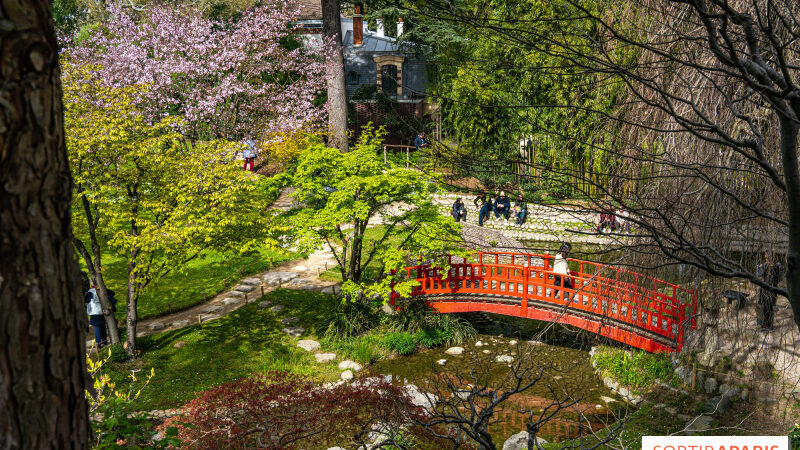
(566, 375)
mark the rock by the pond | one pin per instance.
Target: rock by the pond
(504, 359)
(478, 344)
(213, 309)
(612, 384)
(155, 326)
(251, 281)
(231, 301)
(441, 362)
(487, 351)
(294, 331)
(607, 399)
(698, 424)
(276, 278)
(324, 357)
(710, 385)
(558, 377)
(512, 342)
(289, 320)
(454, 350)
(265, 304)
(179, 323)
(207, 317)
(308, 345)
(352, 365)
(519, 441)
(347, 375)
(300, 269)
(244, 288)
(179, 344)
(278, 308)
(420, 398)
(623, 392)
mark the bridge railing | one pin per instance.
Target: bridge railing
(602, 292)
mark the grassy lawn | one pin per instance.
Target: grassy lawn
(248, 340)
(179, 290)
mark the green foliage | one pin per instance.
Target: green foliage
(794, 437)
(353, 319)
(430, 327)
(636, 369)
(433, 337)
(403, 343)
(117, 353)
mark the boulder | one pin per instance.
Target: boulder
(324, 357)
(336, 290)
(179, 344)
(420, 398)
(352, 365)
(478, 344)
(710, 385)
(207, 317)
(297, 282)
(251, 281)
(230, 301)
(729, 390)
(519, 441)
(265, 304)
(276, 278)
(278, 308)
(718, 405)
(454, 350)
(213, 309)
(244, 288)
(308, 345)
(607, 399)
(236, 294)
(623, 392)
(155, 326)
(487, 351)
(179, 323)
(698, 424)
(745, 394)
(309, 287)
(294, 331)
(506, 359)
(347, 375)
(289, 320)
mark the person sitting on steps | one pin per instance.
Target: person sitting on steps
(502, 205)
(520, 210)
(484, 205)
(459, 211)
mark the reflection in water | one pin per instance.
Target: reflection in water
(568, 375)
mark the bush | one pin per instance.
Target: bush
(402, 343)
(417, 317)
(117, 353)
(351, 319)
(433, 337)
(278, 410)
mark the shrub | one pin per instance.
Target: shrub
(352, 319)
(278, 410)
(415, 317)
(402, 343)
(117, 353)
(636, 369)
(433, 337)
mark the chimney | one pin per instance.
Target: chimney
(399, 27)
(380, 31)
(358, 25)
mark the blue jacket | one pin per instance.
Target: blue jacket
(504, 201)
(420, 141)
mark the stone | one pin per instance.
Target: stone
(730, 391)
(745, 394)
(309, 287)
(289, 320)
(308, 345)
(179, 344)
(387, 309)
(487, 351)
(420, 398)
(347, 375)
(557, 377)
(335, 290)
(512, 342)
(336, 448)
(236, 294)
(504, 359)
(278, 308)
(213, 309)
(244, 288)
(454, 350)
(265, 304)
(277, 278)
(684, 374)
(155, 326)
(611, 384)
(207, 317)
(710, 385)
(441, 362)
(324, 357)
(352, 365)
(294, 331)
(300, 269)
(297, 282)
(718, 405)
(607, 399)
(478, 344)
(698, 424)
(230, 301)
(251, 281)
(623, 392)
(179, 323)
(519, 441)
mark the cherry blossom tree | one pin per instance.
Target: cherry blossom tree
(227, 79)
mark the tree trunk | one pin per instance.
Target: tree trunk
(789, 132)
(130, 307)
(95, 268)
(42, 317)
(337, 92)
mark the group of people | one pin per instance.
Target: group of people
(611, 221)
(501, 206)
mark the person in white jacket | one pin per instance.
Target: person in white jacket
(561, 268)
(96, 319)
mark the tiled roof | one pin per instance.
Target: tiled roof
(371, 43)
(309, 9)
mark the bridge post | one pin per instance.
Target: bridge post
(524, 303)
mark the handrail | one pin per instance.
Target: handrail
(636, 302)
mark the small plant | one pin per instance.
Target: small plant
(636, 369)
(433, 337)
(794, 437)
(117, 353)
(402, 343)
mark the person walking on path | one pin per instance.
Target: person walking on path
(459, 211)
(771, 274)
(484, 206)
(420, 141)
(502, 206)
(96, 319)
(561, 269)
(250, 153)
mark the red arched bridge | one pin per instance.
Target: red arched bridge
(628, 307)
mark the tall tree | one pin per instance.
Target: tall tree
(337, 92)
(42, 320)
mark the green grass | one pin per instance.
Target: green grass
(179, 290)
(635, 369)
(248, 340)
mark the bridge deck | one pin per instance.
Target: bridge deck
(632, 308)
